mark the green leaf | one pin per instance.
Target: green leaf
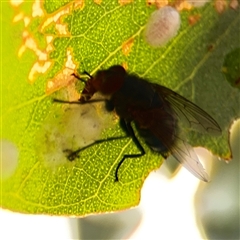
(36, 175)
(231, 67)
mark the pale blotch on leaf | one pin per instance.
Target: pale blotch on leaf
(29, 43)
(9, 158)
(56, 17)
(198, 3)
(162, 26)
(20, 16)
(37, 68)
(42, 64)
(69, 128)
(37, 10)
(61, 28)
(61, 80)
(49, 40)
(64, 78)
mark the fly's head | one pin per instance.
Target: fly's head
(109, 81)
(88, 91)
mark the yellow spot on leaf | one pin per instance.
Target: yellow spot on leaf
(16, 3)
(182, 5)
(158, 3)
(18, 17)
(124, 2)
(78, 4)
(234, 4)
(194, 19)
(26, 21)
(125, 66)
(220, 5)
(127, 46)
(224, 70)
(98, 1)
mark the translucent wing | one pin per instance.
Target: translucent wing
(160, 131)
(186, 155)
(188, 111)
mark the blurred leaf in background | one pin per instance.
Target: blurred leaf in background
(217, 203)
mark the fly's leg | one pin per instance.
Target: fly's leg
(126, 126)
(80, 79)
(85, 72)
(130, 131)
(72, 155)
(77, 102)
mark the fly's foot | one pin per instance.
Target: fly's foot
(71, 155)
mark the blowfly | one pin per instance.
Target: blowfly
(154, 109)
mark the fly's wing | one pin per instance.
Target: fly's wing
(186, 155)
(187, 111)
(196, 118)
(164, 128)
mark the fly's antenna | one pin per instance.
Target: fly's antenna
(86, 73)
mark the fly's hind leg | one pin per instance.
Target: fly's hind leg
(72, 155)
(128, 128)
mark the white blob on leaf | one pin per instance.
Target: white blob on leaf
(9, 158)
(74, 127)
(162, 26)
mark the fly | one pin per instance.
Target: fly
(156, 112)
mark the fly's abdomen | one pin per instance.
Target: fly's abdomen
(152, 141)
(157, 127)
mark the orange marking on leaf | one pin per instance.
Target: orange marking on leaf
(127, 46)
(192, 20)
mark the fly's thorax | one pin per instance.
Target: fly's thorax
(134, 97)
